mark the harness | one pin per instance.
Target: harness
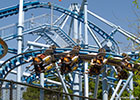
(38, 64)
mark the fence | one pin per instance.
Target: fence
(33, 92)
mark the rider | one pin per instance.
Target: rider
(37, 62)
(66, 64)
(95, 67)
(97, 63)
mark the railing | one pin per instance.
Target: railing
(11, 30)
(32, 92)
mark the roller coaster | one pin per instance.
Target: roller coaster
(53, 51)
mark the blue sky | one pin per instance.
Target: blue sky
(119, 12)
(116, 11)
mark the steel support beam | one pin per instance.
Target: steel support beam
(76, 85)
(101, 19)
(80, 85)
(76, 74)
(82, 6)
(129, 35)
(80, 33)
(75, 24)
(118, 28)
(125, 85)
(97, 76)
(104, 85)
(32, 43)
(116, 90)
(58, 19)
(96, 87)
(95, 37)
(65, 20)
(35, 44)
(86, 83)
(42, 85)
(19, 40)
(51, 15)
(62, 81)
(131, 89)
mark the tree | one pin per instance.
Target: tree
(136, 3)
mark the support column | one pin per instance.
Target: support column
(11, 90)
(80, 74)
(80, 85)
(96, 87)
(42, 85)
(131, 81)
(62, 81)
(131, 89)
(76, 85)
(4, 92)
(75, 27)
(104, 85)
(85, 22)
(19, 39)
(80, 33)
(76, 74)
(86, 83)
(51, 15)
(125, 85)
(116, 90)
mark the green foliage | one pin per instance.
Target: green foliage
(128, 38)
(136, 3)
(91, 89)
(31, 94)
(34, 94)
(137, 89)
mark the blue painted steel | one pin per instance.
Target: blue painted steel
(11, 63)
(134, 55)
(58, 30)
(31, 5)
(1, 50)
(12, 50)
(14, 9)
(65, 37)
(33, 78)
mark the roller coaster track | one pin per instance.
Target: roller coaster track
(3, 48)
(31, 5)
(61, 35)
(41, 30)
(19, 59)
(15, 61)
(38, 30)
(48, 32)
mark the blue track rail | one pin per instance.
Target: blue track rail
(18, 60)
(38, 31)
(36, 4)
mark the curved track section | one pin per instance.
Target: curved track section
(3, 48)
(87, 55)
(36, 4)
(16, 61)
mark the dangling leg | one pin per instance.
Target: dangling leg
(69, 68)
(32, 69)
(63, 67)
(29, 66)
